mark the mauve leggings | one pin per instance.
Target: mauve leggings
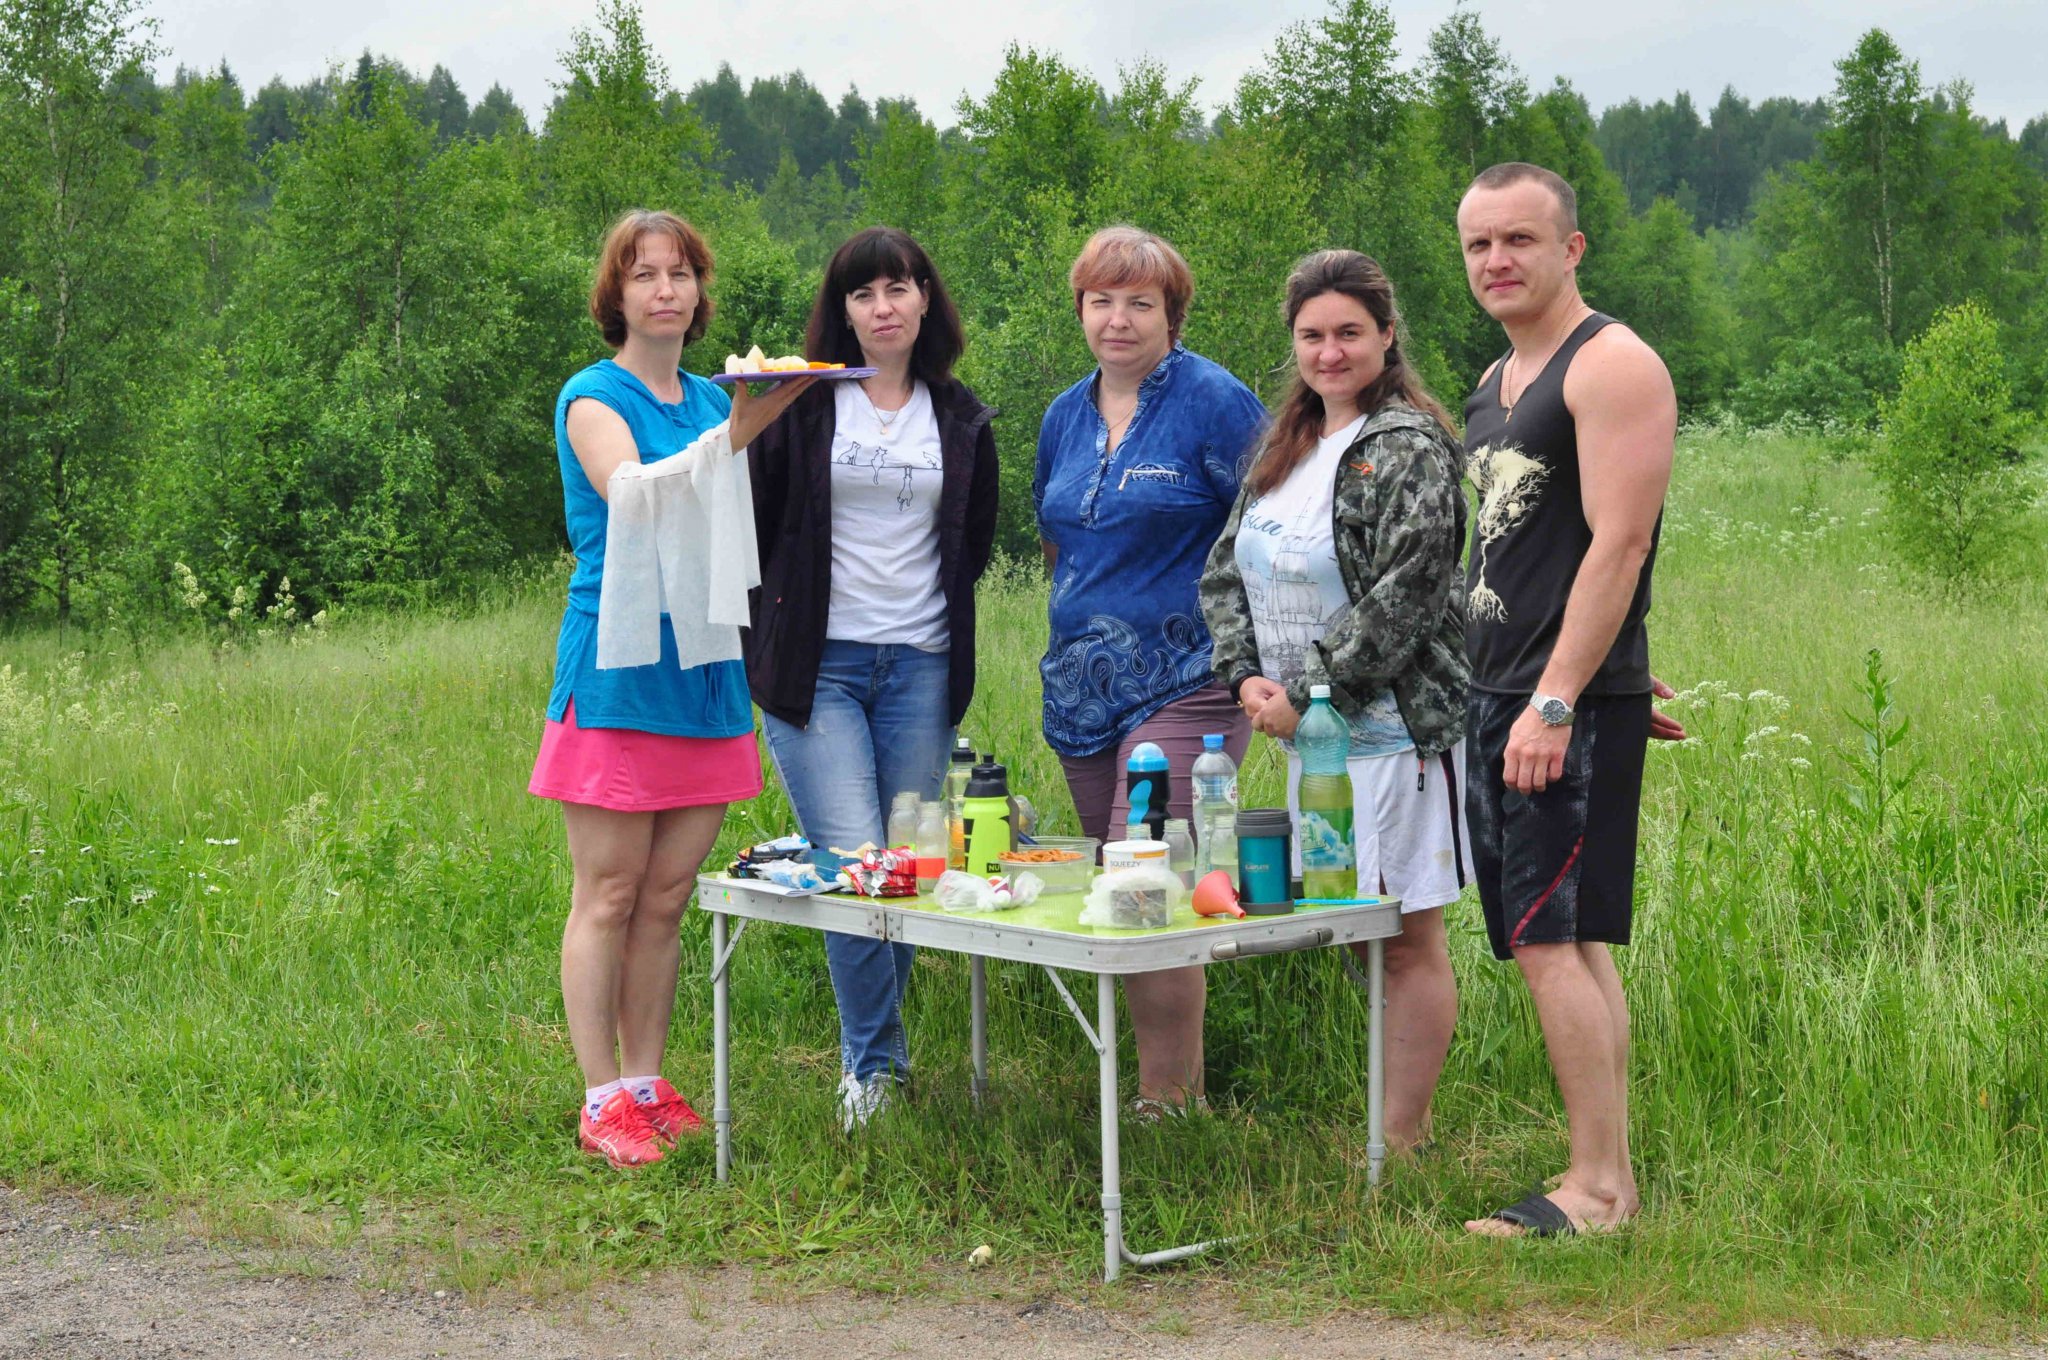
(1097, 782)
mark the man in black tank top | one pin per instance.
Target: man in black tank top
(1569, 443)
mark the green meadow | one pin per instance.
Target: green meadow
(278, 934)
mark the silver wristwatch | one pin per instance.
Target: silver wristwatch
(1554, 711)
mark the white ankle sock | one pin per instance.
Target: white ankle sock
(594, 1097)
(641, 1087)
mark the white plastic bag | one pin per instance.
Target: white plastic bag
(957, 891)
(1133, 898)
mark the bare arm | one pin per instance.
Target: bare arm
(1052, 554)
(602, 441)
(1626, 414)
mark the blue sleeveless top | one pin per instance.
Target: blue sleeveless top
(704, 701)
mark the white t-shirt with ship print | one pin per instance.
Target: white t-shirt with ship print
(885, 523)
(1287, 556)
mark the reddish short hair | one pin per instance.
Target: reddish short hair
(1129, 257)
(622, 250)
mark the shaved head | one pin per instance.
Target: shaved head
(1521, 172)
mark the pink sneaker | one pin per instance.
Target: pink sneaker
(670, 1115)
(620, 1134)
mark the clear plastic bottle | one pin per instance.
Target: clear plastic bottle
(958, 770)
(932, 841)
(903, 820)
(1180, 851)
(1215, 783)
(1328, 841)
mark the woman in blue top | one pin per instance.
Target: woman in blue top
(643, 759)
(1138, 465)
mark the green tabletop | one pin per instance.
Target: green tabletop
(1060, 913)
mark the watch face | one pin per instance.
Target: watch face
(1554, 712)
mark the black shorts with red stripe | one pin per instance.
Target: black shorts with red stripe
(1558, 866)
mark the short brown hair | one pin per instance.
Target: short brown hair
(1129, 257)
(622, 250)
(885, 252)
(1517, 172)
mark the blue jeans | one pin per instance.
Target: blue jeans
(878, 728)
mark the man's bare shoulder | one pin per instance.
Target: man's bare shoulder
(1616, 364)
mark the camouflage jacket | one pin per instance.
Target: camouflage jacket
(1400, 536)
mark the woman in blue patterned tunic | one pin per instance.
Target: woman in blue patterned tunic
(1138, 465)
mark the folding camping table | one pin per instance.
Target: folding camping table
(1048, 933)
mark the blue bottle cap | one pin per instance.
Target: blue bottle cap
(1147, 756)
(1213, 742)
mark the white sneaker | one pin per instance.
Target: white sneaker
(860, 1101)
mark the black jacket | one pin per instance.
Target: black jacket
(790, 463)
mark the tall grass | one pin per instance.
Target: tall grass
(280, 933)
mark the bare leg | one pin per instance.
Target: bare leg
(610, 852)
(653, 947)
(1166, 1016)
(1600, 959)
(1422, 1010)
(1587, 1052)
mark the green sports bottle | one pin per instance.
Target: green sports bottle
(985, 818)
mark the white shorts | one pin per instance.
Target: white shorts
(1410, 839)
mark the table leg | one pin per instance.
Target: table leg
(1112, 1170)
(721, 1045)
(978, 993)
(1376, 1059)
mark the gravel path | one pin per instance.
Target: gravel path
(75, 1285)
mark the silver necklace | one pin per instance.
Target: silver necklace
(886, 420)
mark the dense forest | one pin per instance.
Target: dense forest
(281, 350)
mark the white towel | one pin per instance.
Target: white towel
(679, 537)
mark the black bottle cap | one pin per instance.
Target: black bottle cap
(989, 780)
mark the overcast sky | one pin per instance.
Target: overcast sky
(932, 52)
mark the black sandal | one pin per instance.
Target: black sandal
(1538, 1216)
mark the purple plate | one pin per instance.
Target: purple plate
(784, 375)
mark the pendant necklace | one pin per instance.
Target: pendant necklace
(1514, 361)
(886, 420)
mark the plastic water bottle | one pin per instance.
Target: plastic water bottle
(958, 771)
(1215, 782)
(903, 820)
(1180, 851)
(1328, 840)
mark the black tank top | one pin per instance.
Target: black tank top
(1530, 535)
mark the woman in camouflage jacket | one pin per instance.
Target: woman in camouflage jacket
(1339, 565)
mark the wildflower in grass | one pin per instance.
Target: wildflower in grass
(231, 840)
(189, 592)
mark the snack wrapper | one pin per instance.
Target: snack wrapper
(881, 873)
(783, 849)
(793, 873)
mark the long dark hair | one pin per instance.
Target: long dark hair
(1298, 424)
(885, 252)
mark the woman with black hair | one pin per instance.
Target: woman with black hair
(875, 510)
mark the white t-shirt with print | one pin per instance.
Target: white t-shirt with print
(885, 523)
(1287, 556)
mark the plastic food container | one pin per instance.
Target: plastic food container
(1070, 872)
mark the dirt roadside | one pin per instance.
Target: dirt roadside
(77, 1287)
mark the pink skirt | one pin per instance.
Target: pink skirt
(629, 771)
